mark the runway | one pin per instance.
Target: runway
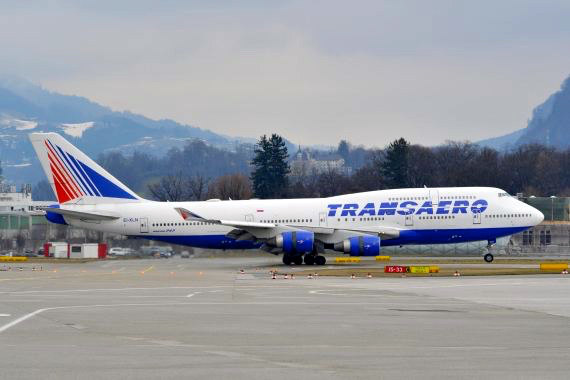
(198, 318)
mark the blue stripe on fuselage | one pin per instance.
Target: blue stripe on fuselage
(442, 236)
(450, 236)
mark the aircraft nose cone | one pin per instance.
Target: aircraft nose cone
(538, 216)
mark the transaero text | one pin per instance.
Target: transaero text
(408, 208)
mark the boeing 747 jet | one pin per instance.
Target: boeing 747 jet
(302, 230)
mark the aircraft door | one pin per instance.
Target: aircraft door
(409, 220)
(434, 197)
(476, 218)
(249, 218)
(322, 219)
(144, 225)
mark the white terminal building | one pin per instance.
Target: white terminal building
(19, 212)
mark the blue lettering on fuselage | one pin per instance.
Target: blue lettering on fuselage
(368, 210)
(332, 209)
(387, 208)
(479, 206)
(406, 208)
(460, 206)
(443, 208)
(349, 209)
(427, 207)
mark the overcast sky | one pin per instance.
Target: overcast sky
(313, 71)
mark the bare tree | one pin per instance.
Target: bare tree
(232, 186)
(197, 186)
(169, 188)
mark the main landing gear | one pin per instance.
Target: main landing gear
(309, 259)
(288, 259)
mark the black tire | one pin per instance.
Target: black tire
(320, 260)
(287, 259)
(309, 259)
(488, 258)
(298, 260)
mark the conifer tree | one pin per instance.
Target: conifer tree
(270, 167)
(395, 166)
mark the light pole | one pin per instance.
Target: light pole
(552, 197)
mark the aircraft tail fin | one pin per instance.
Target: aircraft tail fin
(74, 177)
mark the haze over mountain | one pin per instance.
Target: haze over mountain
(549, 125)
(26, 108)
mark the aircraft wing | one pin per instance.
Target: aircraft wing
(382, 231)
(266, 230)
(91, 215)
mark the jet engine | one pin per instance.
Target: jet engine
(360, 246)
(294, 241)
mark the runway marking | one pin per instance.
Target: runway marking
(23, 318)
(36, 312)
(5, 315)
(150, 288)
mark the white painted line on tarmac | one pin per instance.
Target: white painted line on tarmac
(149, 288)
(36, 312)
(110, 289)
(21, 319)
(5, 315)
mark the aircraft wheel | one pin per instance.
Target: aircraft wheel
(298, 260)
(320, 260)
(309, 259)
(287, 260)
(488, 257)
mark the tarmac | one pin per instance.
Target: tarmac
(203, 318)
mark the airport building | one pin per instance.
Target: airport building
(20, 216)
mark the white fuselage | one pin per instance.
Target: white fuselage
(406, 216)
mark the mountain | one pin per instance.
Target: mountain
(26, 107)
(549, 125)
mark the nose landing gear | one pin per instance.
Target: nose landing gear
(489, 256)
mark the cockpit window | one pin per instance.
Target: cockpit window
(504, 195)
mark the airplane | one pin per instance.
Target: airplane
(302, 230)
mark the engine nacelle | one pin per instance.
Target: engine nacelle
(360, 246)
(294, 241)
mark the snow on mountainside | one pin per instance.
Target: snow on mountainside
(76, 130)
(25, 108)
(7, 122)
